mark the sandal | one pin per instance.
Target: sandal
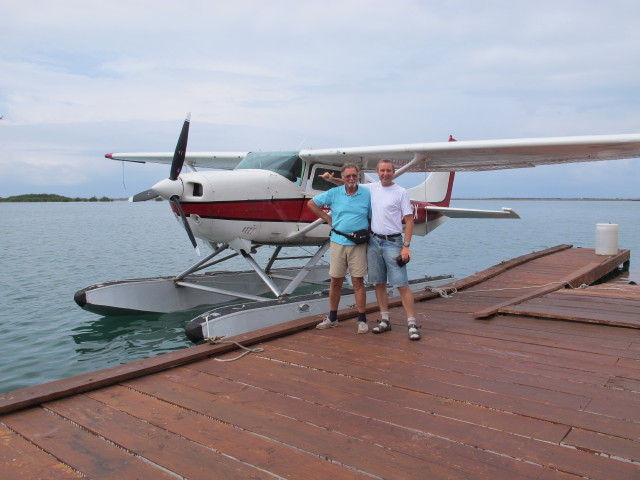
(382, 326)
(414, 334)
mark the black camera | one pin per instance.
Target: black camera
(400, 261)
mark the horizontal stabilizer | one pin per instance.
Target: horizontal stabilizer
(473, 213)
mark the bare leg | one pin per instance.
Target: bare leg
(335, 291)
(382, 297)
(407, 300)
(359, 292)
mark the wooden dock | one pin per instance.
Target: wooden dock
(516, 377)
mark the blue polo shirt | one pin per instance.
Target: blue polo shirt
(348, 212)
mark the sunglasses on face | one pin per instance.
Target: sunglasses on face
(351, 176)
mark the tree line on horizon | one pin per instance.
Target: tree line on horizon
(51, 197)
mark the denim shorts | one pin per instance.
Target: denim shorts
(381, 257)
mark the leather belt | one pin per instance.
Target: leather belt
(388, 237)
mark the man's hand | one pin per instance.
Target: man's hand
(328, 176)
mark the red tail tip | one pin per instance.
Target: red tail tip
(451, 139)
(108, 155)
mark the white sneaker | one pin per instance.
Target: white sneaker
(326, 323)
(362, 327)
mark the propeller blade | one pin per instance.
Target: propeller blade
(181, 150)
(143, 196)
(176, 202)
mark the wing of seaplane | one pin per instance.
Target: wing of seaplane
(480, 155)
(459, 156)
(220, 160)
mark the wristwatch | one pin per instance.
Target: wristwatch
(406, 244)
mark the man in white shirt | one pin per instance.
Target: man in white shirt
(390, 205)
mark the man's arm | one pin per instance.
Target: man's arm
(318, 212)
(408, 232)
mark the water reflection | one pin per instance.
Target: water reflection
(132, 336)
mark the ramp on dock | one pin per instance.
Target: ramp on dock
(516, 377)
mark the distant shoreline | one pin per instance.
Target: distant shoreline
(50, 197)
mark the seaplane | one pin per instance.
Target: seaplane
(247, 201)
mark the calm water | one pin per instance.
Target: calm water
(50, 250)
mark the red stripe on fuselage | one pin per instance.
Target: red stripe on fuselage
(277, 210)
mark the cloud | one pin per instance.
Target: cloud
(84, 78)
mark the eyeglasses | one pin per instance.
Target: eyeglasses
(350, 176)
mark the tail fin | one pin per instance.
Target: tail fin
(436, 189)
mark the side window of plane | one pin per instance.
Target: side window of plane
(295, 174)
(318, 183)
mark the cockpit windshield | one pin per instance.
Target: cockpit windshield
(287, 164)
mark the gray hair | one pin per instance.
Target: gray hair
(349, 165)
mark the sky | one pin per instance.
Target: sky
(79, 79)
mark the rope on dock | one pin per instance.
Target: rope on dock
(219, 340)
(450, 292)
(443, 292)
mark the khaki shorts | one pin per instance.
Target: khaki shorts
(353, 257)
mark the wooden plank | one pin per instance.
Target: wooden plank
(585, 275)
(554, 312)
(348, 382)
(602, 444)
(20, 459)
(630, 362)
(624, 383)
(543, 342)
(527, 449)
(93, 457)
(295, 464)
(157, 445)
(505, 266)
(608, 265)
(580, 306)
(625, 408)
(256, 417)
(466, 412)
(585, 370)
(487, 312)
(199, 446)
(449, 368)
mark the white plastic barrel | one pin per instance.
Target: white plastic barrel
(606, 239)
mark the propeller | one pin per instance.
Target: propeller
(144, 196)
(170, 187)
(175, 200)
(181, 150)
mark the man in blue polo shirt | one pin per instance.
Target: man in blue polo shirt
(350, 211)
